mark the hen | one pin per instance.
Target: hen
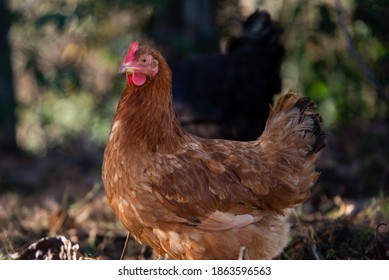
(194, 198)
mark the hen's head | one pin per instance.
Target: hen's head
(139, 64)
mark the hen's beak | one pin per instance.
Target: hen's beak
(126, 67)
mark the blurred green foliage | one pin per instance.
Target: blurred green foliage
(66, 54)
(319, 62)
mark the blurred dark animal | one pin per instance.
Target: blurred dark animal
(228, 95)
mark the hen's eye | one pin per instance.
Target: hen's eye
(143, 60)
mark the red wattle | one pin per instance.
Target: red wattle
(137, 79)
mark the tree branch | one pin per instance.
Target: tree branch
(367, 72)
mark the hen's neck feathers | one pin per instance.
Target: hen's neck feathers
(147, 118)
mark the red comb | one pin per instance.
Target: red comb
(131, 51)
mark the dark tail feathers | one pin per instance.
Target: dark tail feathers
(308, 110)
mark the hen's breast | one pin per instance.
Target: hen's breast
(119, 175)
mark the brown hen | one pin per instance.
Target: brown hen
(193, 198)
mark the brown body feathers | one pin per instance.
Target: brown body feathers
(194, 198)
